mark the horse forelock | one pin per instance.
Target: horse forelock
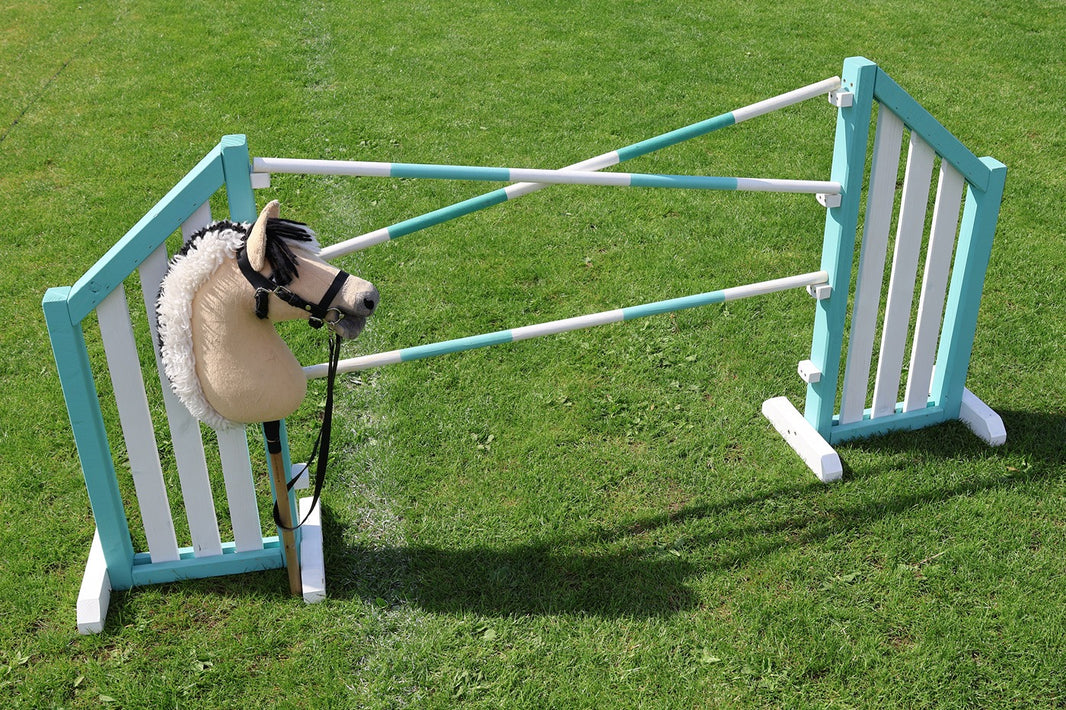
(282, 236)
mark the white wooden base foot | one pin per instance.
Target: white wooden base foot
(95, 591)
(312, 562)
(985, 423)
(804, 439)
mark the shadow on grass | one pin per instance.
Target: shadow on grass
(587, 573)
(1037, 437)
(522, 580)
(584, 574)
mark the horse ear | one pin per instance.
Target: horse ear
(257, 239)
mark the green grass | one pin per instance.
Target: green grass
(600, 519)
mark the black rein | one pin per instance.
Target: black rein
(318, 311)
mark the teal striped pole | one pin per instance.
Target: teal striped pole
(514, 335)
(599, 162)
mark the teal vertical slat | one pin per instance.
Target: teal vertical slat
(237, 169)
(838, 246)
(90, 436)
(972, 254)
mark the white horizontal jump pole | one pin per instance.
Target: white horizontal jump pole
(514, 335)
(363, 168)
(599, 162)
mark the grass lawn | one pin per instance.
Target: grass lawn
(599, 519)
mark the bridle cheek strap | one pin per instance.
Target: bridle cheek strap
(264, 287)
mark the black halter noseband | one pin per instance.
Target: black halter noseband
(264, 287)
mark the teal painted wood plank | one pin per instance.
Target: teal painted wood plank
(972, 254)
(271, 542)
(190, 567)
(90, 436)
(150, 231)
(906, 421)
(838, 245)
(916, 118)
(237, 172)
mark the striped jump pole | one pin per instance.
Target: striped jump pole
(599, 162)
(420, 352)
(363, 168)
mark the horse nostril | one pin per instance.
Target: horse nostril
(370, 303)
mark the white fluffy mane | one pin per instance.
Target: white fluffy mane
(189, 270)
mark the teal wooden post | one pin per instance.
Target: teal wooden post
(237, 168)
(972, 254)
(838, 247)
(90, 436)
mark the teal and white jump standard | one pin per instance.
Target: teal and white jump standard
(852, 391)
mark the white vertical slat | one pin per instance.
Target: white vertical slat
(888, 140)
(934, 287)
(200, 218)
(233, 451)
(184, 431)
(909, 230)
(137, 430)
(240, 488)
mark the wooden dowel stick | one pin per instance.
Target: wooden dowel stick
(281, 493)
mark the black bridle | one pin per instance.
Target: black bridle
(265, 286)
(318, 313)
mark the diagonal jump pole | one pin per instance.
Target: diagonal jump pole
(599, 162)
(514, 335)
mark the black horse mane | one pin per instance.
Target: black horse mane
(279, 232)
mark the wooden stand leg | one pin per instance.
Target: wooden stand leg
(281, 493)
(804, 439)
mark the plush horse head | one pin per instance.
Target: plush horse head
(217, 306)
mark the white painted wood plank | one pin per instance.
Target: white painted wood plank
(934, 287)
(95, 592)
(804, 439)
(184, 431)
(312, 561)
(909, 231)
(240, 488)
(151, 273)
(135, 417)
(200, 218)
(982, 420)
(888, 141)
